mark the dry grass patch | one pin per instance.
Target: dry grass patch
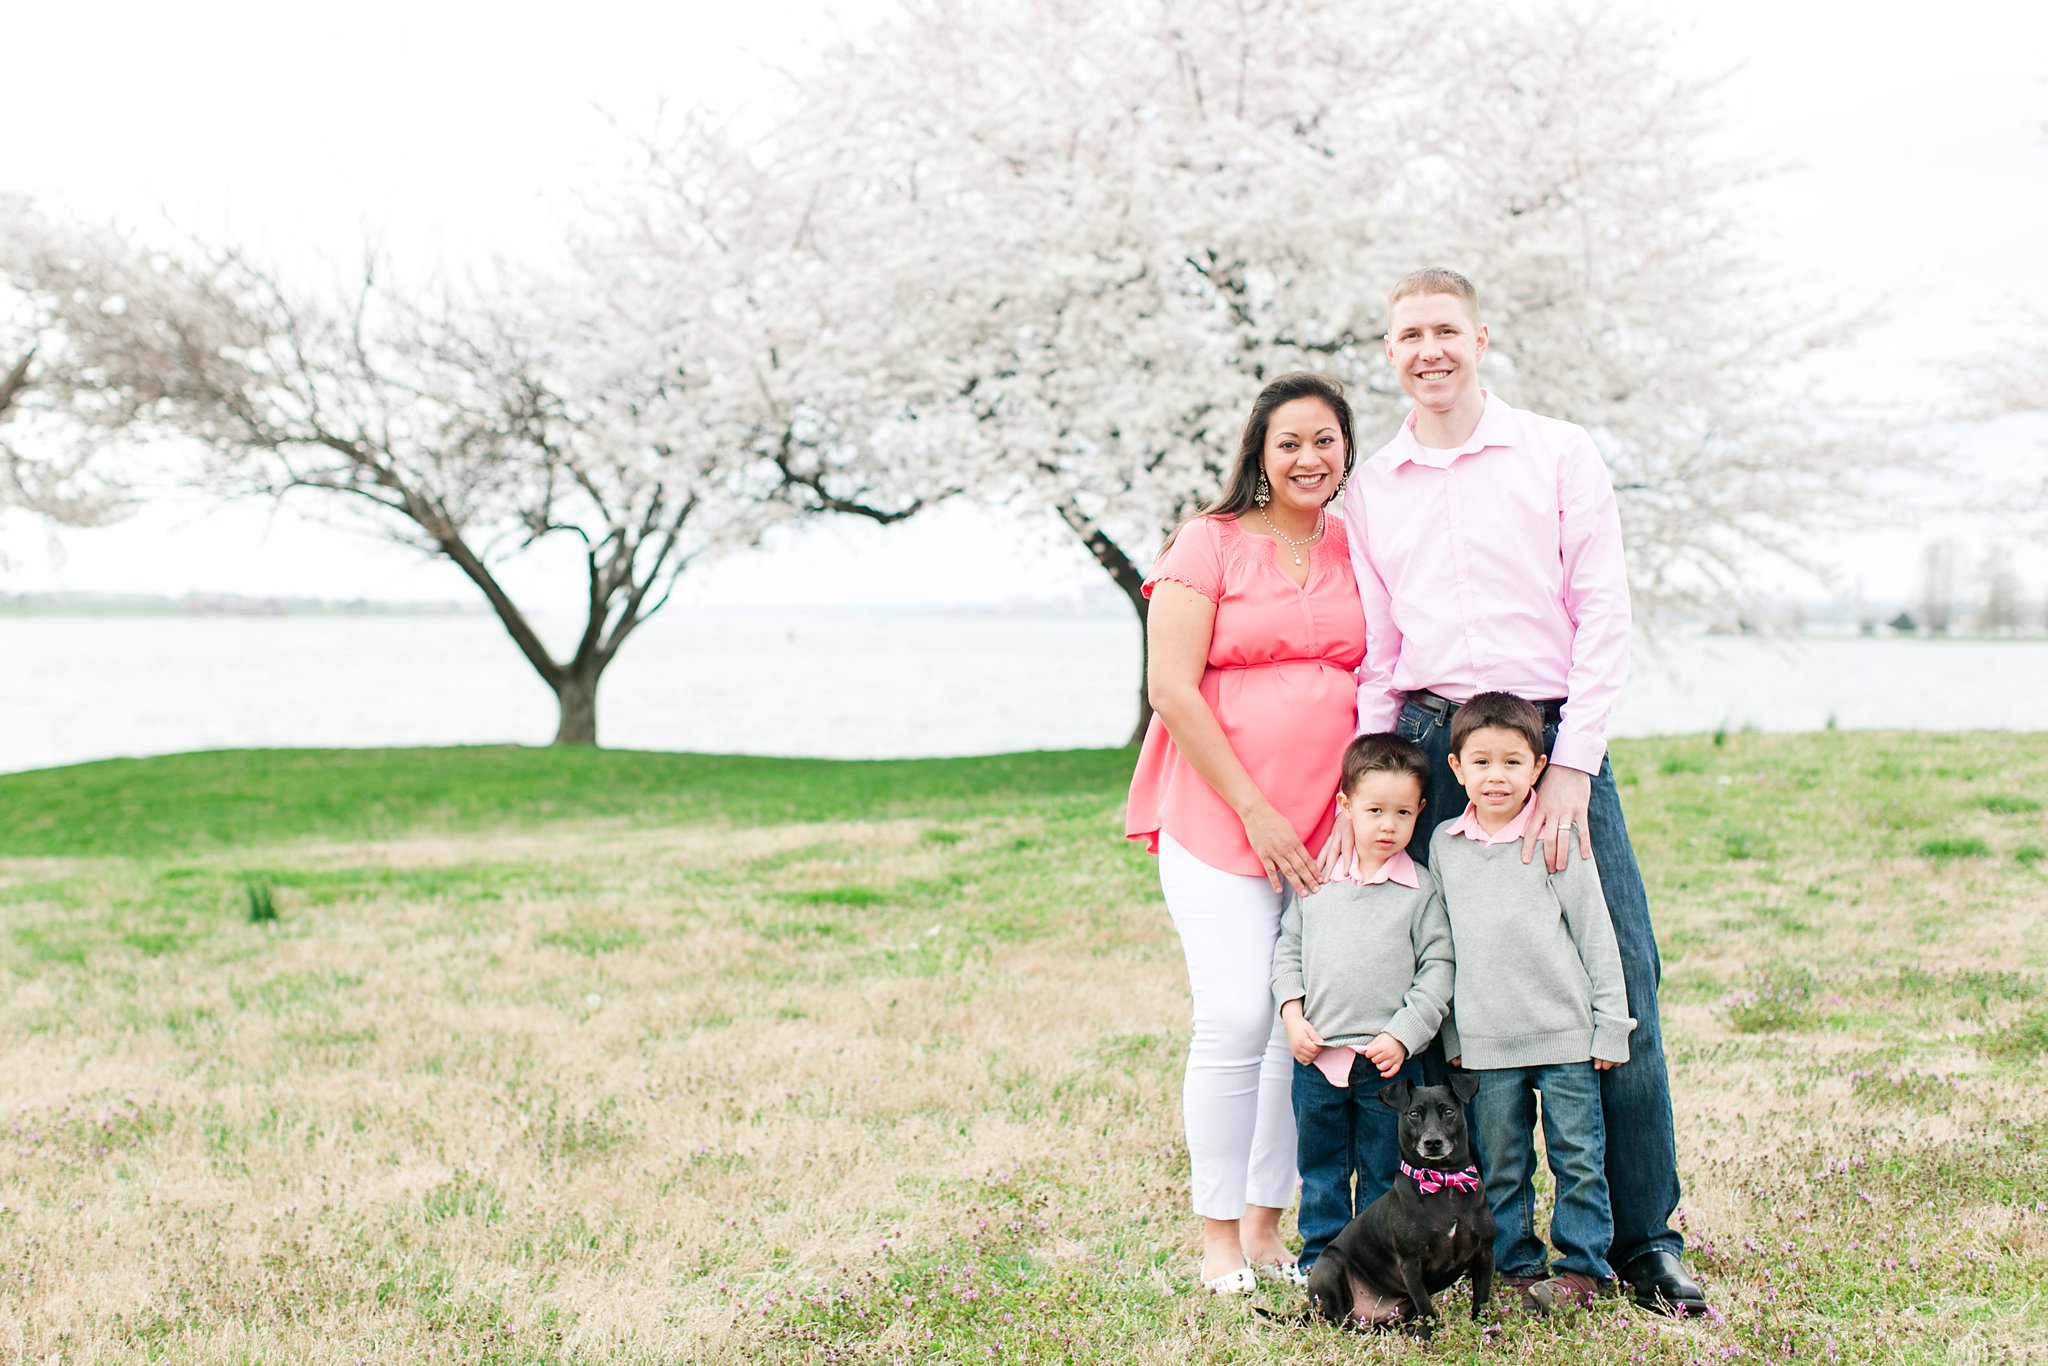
(907, 1089)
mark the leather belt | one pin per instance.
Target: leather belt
(1443, 708)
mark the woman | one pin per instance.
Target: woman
(1254, 631)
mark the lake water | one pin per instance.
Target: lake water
(852, 684)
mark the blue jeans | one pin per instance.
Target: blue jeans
(1581, 1222)
(1341, 1133)
(1642, 1155)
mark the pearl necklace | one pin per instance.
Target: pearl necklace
(1293, 544)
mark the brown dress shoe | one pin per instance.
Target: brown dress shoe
(1567, 1290)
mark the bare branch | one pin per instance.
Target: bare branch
(15, 380)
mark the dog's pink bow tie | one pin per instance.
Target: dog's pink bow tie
(1429, 1181)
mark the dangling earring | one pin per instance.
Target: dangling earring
(1335, 493)
(1263, 494)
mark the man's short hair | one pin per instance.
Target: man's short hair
(1434, 280)
(1497, 711)
(1382, 753)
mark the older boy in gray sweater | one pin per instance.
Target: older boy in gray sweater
(1362, 976)
(1540, 1006)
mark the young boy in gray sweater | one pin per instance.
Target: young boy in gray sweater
(1362, 976)
(1539, 1006)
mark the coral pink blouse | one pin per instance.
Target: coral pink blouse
(1280, 680)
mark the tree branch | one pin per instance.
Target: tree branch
(16, 380)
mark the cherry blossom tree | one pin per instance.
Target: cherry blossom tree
(2015, 385)
(47, 458)
(790, 322)
(612, 408)
(1122, 217)
(2015, 379)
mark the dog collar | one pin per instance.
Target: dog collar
(1430, 1181)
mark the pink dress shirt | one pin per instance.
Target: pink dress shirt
(1493, 567)
(1279, 679)
(1468, 824)
(1396, 867)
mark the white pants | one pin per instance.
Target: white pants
(1237, 1098)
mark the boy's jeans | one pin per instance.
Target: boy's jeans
(1642, 1156)
(1504, 1113)
(1340, 1132)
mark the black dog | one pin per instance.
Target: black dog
(1431, 1228)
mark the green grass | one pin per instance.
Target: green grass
(234, 798)
(1782, 997)
(613, 1057)
(1968, 846)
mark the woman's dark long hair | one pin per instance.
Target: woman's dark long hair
(1239, 490)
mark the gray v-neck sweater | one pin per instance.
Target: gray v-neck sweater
(1366, 959)
(1539, 976)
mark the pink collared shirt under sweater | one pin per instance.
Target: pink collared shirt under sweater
(1496, 566)
(1467, 824)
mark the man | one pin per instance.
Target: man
(1489, 558)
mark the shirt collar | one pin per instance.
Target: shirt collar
(1398, 867)
(1468, 824)
(1492, 430)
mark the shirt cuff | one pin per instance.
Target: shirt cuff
(1610, 1041)
(1378, 711)
(1408, 1029)
(1582, 752)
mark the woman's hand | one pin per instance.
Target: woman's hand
(1280, 850)
(1337, 849)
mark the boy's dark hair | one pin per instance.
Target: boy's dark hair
(1497, 711)
(1382, 753)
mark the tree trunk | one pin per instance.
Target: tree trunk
(1125, 575)
(1142, 606)
(576, 690)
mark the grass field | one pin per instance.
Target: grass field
(520, 1056)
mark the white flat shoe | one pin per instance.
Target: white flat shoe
(1242, 1281)
(1287, 1273)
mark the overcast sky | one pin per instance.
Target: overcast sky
(1914, 142)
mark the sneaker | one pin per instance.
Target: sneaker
(1523, 1286)
(1567, 1290)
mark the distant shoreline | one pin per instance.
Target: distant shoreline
(223, 605)
(218, 605)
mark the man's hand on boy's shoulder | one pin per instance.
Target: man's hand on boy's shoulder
(1337, 851)
(1562, 795)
